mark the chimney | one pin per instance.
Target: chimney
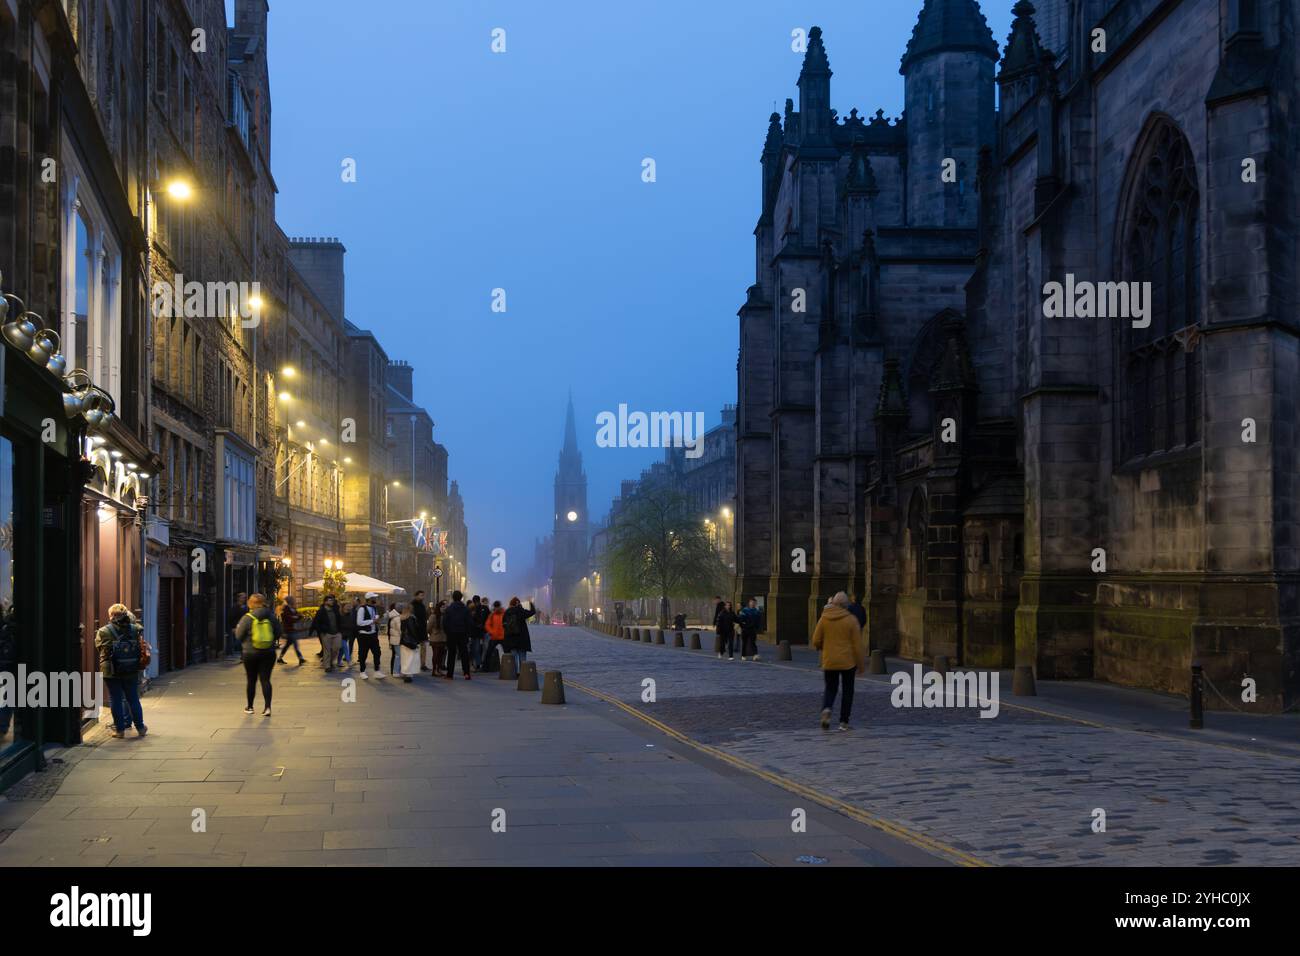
(250, 18)
(400, 377)
(320, 261)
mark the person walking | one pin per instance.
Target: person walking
(420, 611)
(393, 632)
(290, 621)
(328, 626)
(725, 624)
(496, 632)
(514, 626)
(259, 633)
(750, 619)
(456, 624)
(348, 621)
(233, 617)
(478, 609)
(858, 611)
(437, 638)
(117, 648)
(410, 642)
(843, 655)
(367, 619)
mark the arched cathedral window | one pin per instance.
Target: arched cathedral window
(1159, 367)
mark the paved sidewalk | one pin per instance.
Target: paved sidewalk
(1021, 788)
(407, 774)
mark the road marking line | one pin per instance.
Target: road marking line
(919, 840)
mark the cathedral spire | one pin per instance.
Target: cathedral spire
(1024, 49)
(815, 94)
(949, 26)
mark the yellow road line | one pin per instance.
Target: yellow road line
(919, 840)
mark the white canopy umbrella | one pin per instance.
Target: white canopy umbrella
(360, 584)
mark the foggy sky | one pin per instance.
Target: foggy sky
(522, 171)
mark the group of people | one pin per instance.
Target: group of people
(838, 637)
(726, 622)
(419, 638)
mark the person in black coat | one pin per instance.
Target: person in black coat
(420, 611)
(726, 627)
(328, 626)
(456, 624)
(517, 640)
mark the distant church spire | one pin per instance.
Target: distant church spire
(570, 457)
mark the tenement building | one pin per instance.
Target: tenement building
(1019, 374)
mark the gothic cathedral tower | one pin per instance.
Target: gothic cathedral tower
(569, 564)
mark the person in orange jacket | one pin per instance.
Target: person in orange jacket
(496, 631)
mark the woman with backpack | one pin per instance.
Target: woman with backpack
(118, 647)
(259, 632)
(514, 625)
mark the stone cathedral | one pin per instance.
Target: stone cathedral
(1108, 492)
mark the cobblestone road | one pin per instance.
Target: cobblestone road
(1017, 789)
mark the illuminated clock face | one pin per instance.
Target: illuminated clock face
(572, 516)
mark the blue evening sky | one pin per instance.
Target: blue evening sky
(522, 171)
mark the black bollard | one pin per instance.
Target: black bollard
(877, 663)
(659, 636)
(552, 688)
(507, 668)
(679, 639)
(527, 677)
(1198, 698)
(783, 651)
(695, 641)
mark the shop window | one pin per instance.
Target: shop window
(11, 728)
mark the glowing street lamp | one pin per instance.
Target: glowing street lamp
(180, 189)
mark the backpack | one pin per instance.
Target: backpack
(513, 625)
(261, 635)
(125, 652)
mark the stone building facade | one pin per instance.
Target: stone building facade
(1103, 491)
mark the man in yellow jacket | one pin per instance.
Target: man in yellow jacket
(843, 656)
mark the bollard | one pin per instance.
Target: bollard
(877, 663)
(527, 677)
(695, 641)
(1022, 684)
(659, 636)
(783, 651)
(940, 663)
(679, 639)
(552, 688)
(507, 667)
(1198, 698)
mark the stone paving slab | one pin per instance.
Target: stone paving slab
(408, 774)
(1019, 788)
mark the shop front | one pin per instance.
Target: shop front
(39, 508)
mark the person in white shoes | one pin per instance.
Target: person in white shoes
(750, 619)
(367, 618)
